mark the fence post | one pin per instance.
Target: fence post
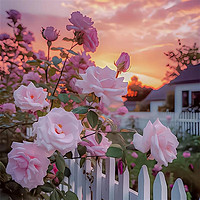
(143, 184)
(178, 191)
(123, 185)
(160, 187)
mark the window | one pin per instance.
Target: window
(185, 98)
(195, 98)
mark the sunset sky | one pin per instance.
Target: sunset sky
(145, 29)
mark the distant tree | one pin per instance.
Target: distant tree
(136, 90)
(181, 57)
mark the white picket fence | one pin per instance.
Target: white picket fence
(89, 183)
(183, 122)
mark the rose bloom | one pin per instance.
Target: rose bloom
(160, 140)
(14, 15)
(123, 62)
(50, 33)
(90, 40)
(122, 110)
(4, 36)
(186, 154)
(79, 22)
(134, 155)
(58, 130)
(27, 164)
(31, 76)
(28, 37)
(30, 98)
(93, 147)
(104, 84)
(8, 107)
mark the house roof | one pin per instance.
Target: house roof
(160, 94)
(190, 75)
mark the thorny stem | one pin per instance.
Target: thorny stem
(61, 75)
(46, 71)
(15, 126)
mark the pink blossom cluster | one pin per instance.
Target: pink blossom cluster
(82, 25)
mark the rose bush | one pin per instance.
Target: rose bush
(70, 103)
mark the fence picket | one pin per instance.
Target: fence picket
(78, 177)
(85, 181)
(143, 184)
(97, 181)
(110, 178)
(123, 185)
(178, 191)
(160, 187)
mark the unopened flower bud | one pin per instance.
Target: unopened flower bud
(123, 62)
(50, 33)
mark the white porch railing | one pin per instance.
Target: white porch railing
(91, 184)
(183, 122)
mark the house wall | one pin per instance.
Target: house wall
(155, 104)
(178, 94)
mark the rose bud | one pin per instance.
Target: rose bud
(50, 33)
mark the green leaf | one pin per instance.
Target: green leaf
(92, 118)
(98, 137)
(51, 97)
(81, 150)
(47, 187)
(57, 48)
(67, 172)
(82, 161)
(63, 97)
(71, 196)
(60, 175)
(75, 98)
(114, 151)
(69, 155)
(81, 110)
(54, 195)
(33, 62)
(2, 168)
(67, 39)
(72, 52)
(52, 71)
(60, 163)
(56, 60)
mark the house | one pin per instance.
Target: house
(158, 97)
(187, 89)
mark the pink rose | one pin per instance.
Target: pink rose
(133, 165)
(28, 37)
(58, 130)
(186, 154)
(81, 61)
(50, 33)
(4, 36)
(122, 110)
(14, 15)
(8, 107)
(30, 98)
(120, 166)
(156, 169)
(160, 140)
(123, 62)
(104, 84)
(93, 147)
(79, 22)
(90, 40)
(27, 164)
(134, 155)
(31, 76)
